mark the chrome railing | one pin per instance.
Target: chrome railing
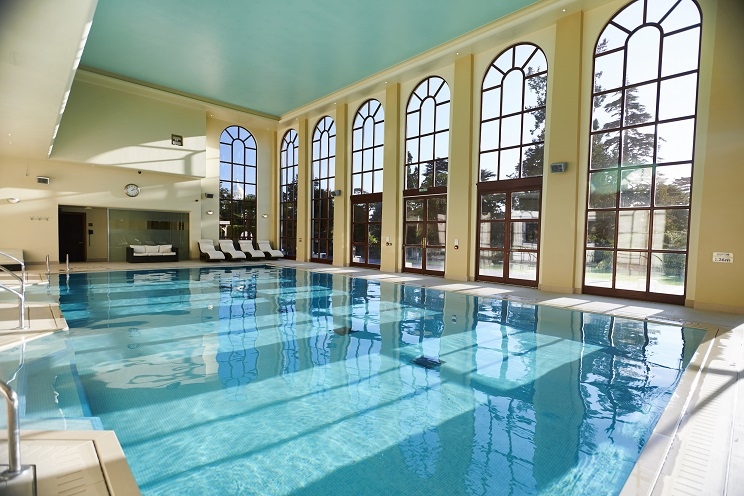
(17, 479)
(20, 294)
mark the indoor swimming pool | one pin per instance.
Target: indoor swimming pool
(267, 380)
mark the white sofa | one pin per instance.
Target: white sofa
(152, 253)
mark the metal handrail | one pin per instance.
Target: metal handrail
(14, 431)
(22, 294)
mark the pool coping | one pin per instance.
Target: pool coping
(692, 449)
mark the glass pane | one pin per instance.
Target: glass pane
(524, 235)
(359, 234)
(537, 63)
(511, 131)
(598, 268)
(673, 185)
(492, 235)
(675, 141)
(443, 117)
(440, 176)
(603, 189)
(601, 229)
(356, 184)
(606, 111)
(532, 160)
(611, 38)
(631, 271)
(412, 177)
(375, 234)
(523, 265)
(491, 103)
(525, 205)
(677, 97)
(640, 104)
(427, 116)
(509, 167)
(635, 188)
(534, 126)
(670, 229)
(490, 135)
(359, 253)
(412, 154)
(414, 233)
(489, 166)
(435, 232)
(435, 259)
(441, 145)
(414, 209)
(360, 212)
(605, 150)
(638, 146)
(413, 257)
(536, 91)
(512, 87)
(412, 124)
(426, 149)
(668, 273)
(680, 52)
(427, 175)
(436, 209)
(491, 263)
(374, 257)
(493, 206)
(643, 55)
(375, 211)
(632, 229)
(608, 71)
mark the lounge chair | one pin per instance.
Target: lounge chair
(265, 246)
(246, 246)
(207, 251)
(228, 248)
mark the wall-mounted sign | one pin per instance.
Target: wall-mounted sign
(723, 257)
(176, 140)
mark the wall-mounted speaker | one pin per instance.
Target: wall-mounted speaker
(42, 180)
(336, 192)
(208, 195)
(558, 167)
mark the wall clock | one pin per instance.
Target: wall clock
(132, 190)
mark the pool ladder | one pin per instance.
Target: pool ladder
(21, 295)
(17, 480)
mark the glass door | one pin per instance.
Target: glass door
(424, 242)
(509, 236)
(366, 230)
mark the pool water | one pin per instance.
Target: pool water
(276, 381)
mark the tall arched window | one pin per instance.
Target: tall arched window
(366, 184)
(324, 183)
(426, 169)
(288, 168)
(512, 142)
(237, 184)
(642, 136)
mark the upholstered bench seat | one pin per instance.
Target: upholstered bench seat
(152, 253)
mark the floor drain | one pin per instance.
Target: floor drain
(427, 362)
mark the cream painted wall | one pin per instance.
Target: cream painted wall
(719, 162)
(112, 123)
(80, 185)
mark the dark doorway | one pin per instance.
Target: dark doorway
(72, 236)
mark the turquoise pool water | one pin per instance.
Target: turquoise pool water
(275, 381)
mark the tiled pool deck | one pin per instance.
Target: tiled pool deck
(697, 446)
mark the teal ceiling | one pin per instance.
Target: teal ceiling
(272, 56)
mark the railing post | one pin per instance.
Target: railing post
(67, 261)
(14, 430)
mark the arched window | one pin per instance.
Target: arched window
(324, 184)
(513, 115)
(426, 169)
(366, 184)
(512, 142)
(237, 184)
(288, 168)
(642, 137)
